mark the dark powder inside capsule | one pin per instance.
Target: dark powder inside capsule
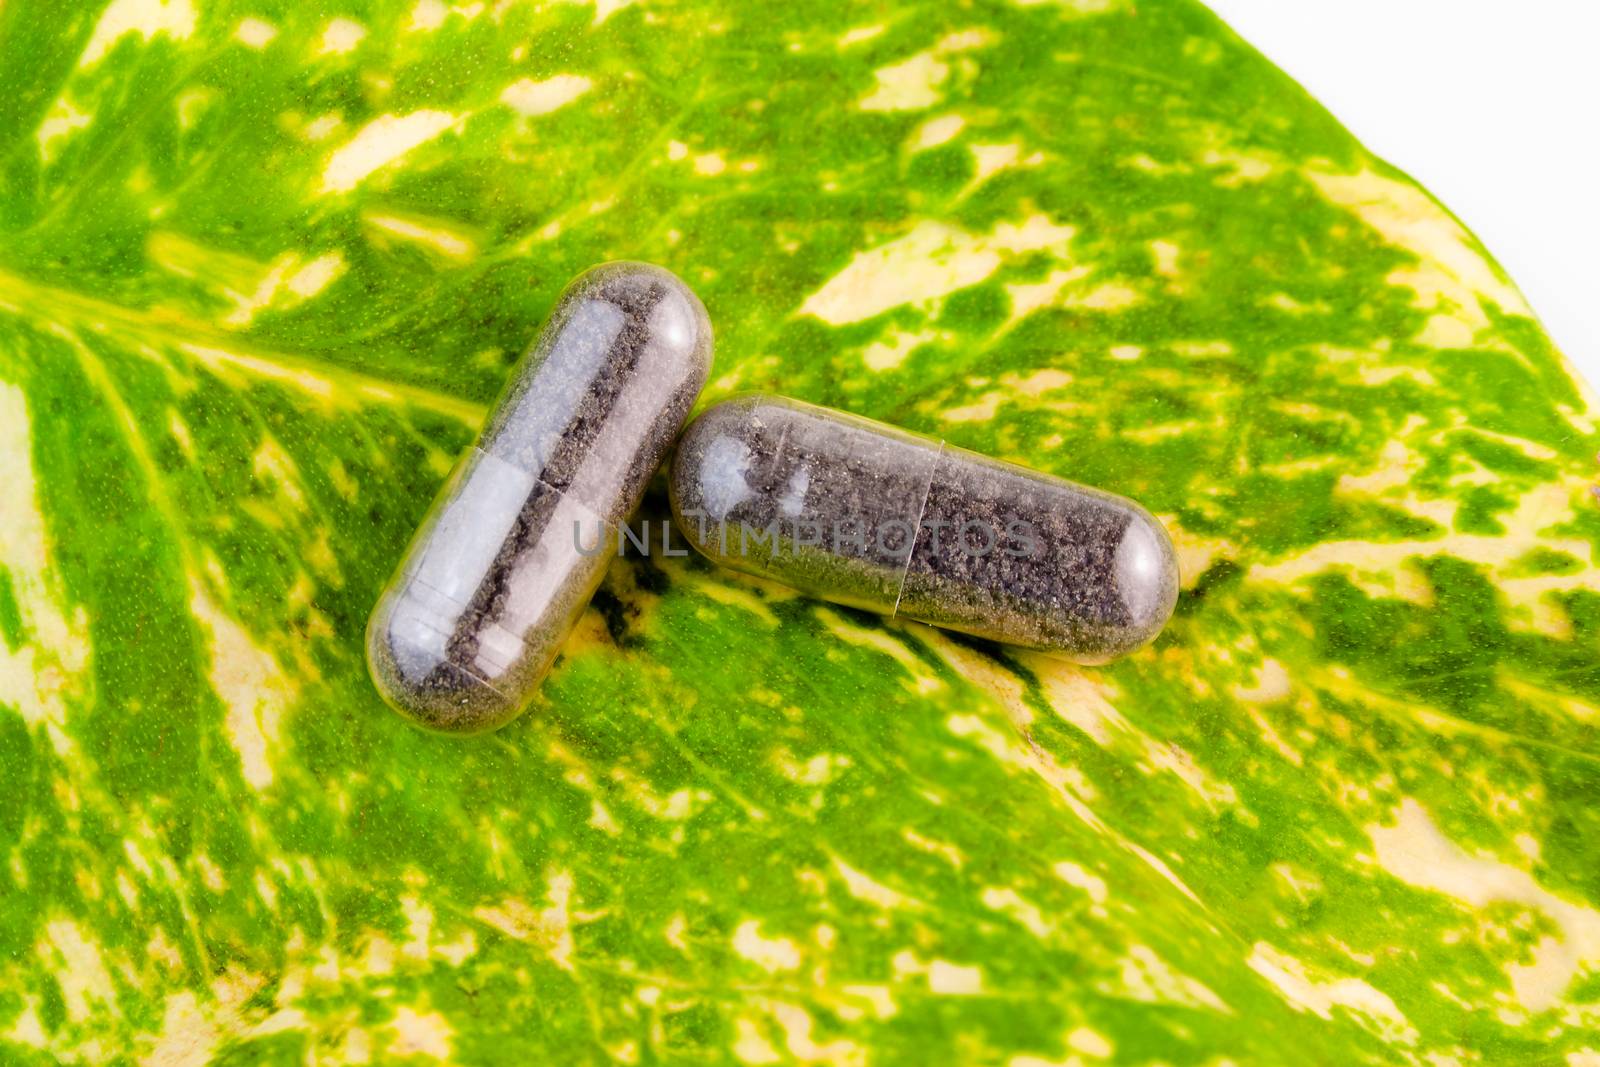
(941, 535)
(1004, 553)
(828, 508)
(557, 453)
(488, 602)
(583, 423)
(551, 422)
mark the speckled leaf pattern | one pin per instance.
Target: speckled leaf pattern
(263, 267)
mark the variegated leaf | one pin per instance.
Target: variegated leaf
(263, 266)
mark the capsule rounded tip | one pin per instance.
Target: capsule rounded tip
(1145, 573)
(660, 306)
(415, 676)
(708, 474)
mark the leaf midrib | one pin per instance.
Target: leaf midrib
(177, 333)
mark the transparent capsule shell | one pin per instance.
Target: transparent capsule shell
(871, 516)
(519, 537)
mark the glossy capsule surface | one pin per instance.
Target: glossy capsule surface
(519, 536)
(864, 514)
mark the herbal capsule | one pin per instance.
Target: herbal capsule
(867, 515)
(518, 538)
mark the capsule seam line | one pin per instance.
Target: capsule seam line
(469, 668)
(916, 532)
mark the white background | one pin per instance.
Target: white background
(1492, 105)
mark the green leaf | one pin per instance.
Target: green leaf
(264, 265)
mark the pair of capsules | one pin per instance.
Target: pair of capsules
(841, 507)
